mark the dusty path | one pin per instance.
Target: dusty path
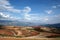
(29, 38)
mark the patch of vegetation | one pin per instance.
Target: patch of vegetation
(18, 36)
(1, 26)
(4, 35)
(53, 36)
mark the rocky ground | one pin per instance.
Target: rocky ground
(29, 32)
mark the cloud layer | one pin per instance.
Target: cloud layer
(6, 6)
(27, 16)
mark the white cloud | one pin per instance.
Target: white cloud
(46, 19)
(4, 2)
(12, 9)
(27, 9)
(54, 6)
(58, 16)
(27, 16)
(58, 5)
(8, 17)
(26, 13)
(55, 15)
(48, 11)
(4, 15)
(6, 6)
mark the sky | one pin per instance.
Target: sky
(38, 11)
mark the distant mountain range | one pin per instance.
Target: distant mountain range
(21, 23)
(16, 23)
(57, 25)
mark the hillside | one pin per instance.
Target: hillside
(34, 31)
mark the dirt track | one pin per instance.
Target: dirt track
(29, 39)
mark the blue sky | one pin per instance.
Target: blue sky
(39, 11)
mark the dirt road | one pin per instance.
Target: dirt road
(6, 38)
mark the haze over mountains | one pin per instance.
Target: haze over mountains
(22, 23)
(17, 23)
